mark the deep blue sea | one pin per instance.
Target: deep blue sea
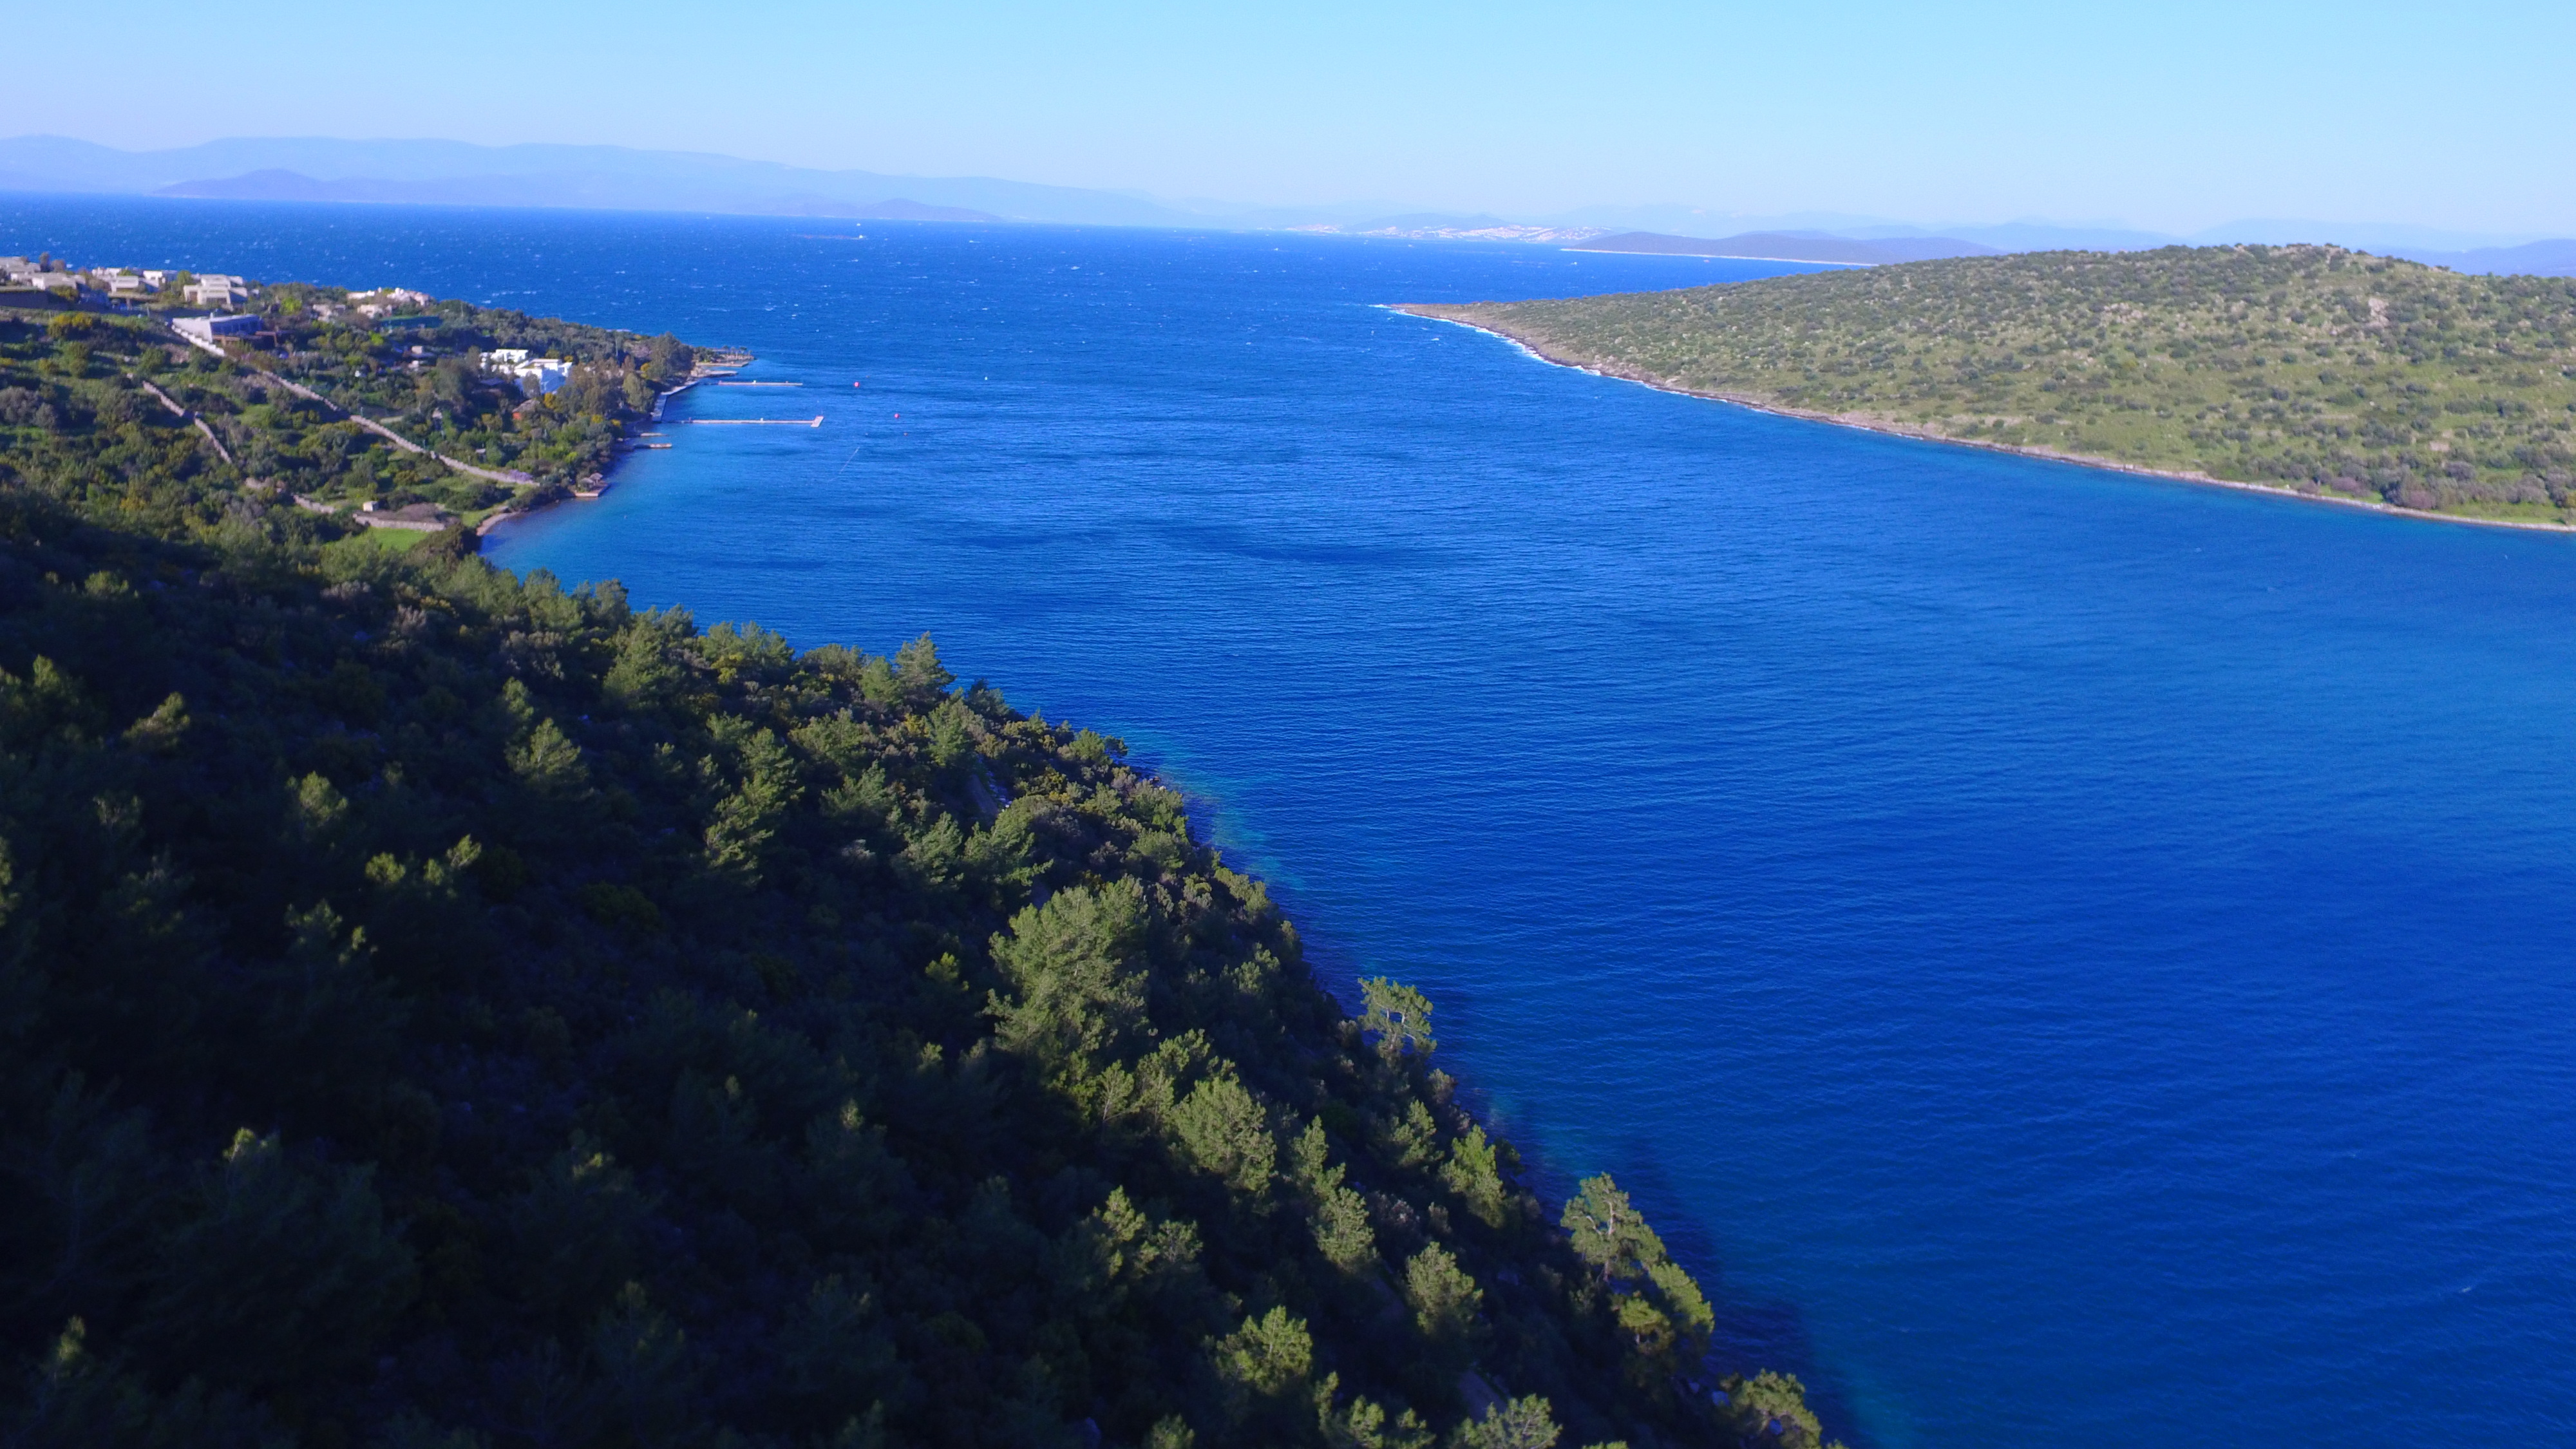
(2071, 959)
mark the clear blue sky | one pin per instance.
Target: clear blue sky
(2170, 116)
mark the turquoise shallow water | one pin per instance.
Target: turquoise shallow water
(2070, 958)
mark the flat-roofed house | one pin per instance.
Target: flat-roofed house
(214, 289)
(536, 376)
(540, 375)
(204, 330)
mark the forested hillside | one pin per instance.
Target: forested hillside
(2308, 368)
(438, 1009)
(292, 406)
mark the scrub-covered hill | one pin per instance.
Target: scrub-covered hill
(2307, 368)
(443, 1009)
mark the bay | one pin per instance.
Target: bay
(2066, 956)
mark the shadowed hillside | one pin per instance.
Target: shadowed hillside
(441, 1009)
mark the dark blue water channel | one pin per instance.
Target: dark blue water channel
(2072, 959)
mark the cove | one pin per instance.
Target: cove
(2064, 955)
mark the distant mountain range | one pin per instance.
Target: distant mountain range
(279, 185)
(1434, 226)
(1777, 246)
(454, 173)
(2535, 259)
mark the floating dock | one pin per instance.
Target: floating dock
(815, 421)
(760, 384)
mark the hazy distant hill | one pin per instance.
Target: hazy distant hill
(618, 178)
(535, 190)
(2461, 252)
(1441, 226)
(608, 177)
(1788, 247)
(2034, 236)
(2537, 259)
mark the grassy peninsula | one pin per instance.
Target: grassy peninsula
(446, 1011)
(2309, 369)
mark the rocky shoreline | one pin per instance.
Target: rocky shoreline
(599, 482)
(1466, 316)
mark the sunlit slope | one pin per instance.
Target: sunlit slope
(2309, 368)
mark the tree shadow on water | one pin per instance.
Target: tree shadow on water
(1752, 1333)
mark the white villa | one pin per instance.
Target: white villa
(204, 330)
(214, 289)
(537, 376)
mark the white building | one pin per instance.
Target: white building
(541, 375)
(536, 376)
(214, 289)
(206, 329)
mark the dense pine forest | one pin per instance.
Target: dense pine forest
(445, 1009)
(2309, 368)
